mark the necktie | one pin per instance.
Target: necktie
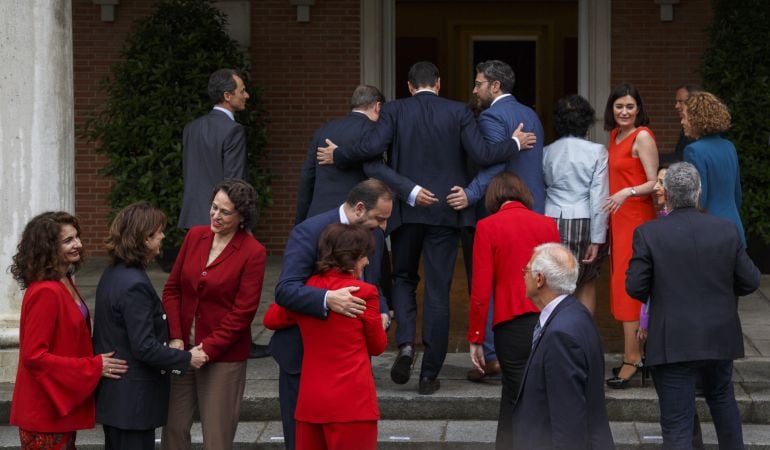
(536, 334)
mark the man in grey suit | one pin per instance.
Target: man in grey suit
(691, 267)
(213, 147)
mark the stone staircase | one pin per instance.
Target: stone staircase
(462, 415)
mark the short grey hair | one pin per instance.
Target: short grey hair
(365, 96)
(682, 185)
(558, 265)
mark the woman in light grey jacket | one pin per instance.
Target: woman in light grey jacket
(577, 187)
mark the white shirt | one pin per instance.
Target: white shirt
(498, 98)
(548, 309)
(226, 111)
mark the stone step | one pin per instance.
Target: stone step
(420, 434)
(459, 399)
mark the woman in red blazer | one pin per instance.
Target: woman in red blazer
(210, 298)
(337, 403)
(503, 244)
(58, 371)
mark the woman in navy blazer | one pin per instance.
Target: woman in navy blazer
(704, 118)
(211, 297)
(129, 319)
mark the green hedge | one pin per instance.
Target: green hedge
(159, 86)
(736, 68)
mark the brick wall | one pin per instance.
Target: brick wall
(659, 56)
(96, 46)
(308, 72)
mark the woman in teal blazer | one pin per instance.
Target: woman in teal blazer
(716, 159)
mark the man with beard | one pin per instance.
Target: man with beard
(501, 115)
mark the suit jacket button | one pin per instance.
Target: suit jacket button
(162, 372)
(165, 344)
(204, 273)
(164, 317)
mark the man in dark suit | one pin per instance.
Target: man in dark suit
(369, 203)
(683, 92)
(501, 115)
(691, 267)
(561, 400)
(428, 138)
(323, 187)
(213, 147)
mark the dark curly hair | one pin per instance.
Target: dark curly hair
(622, 90)
(37, 255)
(341, 246)
(244, 197)
(573, 116)
(129, 231)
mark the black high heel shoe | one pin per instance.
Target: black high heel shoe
(622, 383)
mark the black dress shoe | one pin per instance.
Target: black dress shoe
(428, 386)
(258, 351)
(402, 366)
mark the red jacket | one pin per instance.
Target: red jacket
(222, 297)
(336, 383)
(58, 371)
(502, 247)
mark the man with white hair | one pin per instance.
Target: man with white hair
(561, 402)
(692, 267)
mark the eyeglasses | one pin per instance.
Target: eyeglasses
(477, 84)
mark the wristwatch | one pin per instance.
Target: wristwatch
(633, 191)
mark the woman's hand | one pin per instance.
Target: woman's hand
(616, 200)
(113, 367)
(477, 357)
(199, 357)
(177, 344)
(641, 335)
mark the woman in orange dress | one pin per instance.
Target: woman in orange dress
(633, 166)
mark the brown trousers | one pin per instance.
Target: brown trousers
(217, 388)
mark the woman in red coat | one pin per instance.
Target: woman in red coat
(210, 298)
(337, 403)
(58, 371)
(503, 244)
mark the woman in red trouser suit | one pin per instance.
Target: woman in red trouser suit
(337, 404)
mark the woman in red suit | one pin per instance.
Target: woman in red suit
(58, 371)
(210, 298)
(632, 167)
(502, 247)
(337, 403)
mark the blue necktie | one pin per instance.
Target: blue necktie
(536, 334)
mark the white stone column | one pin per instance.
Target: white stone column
(37, 137)
(594, 59)
(378, 45)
